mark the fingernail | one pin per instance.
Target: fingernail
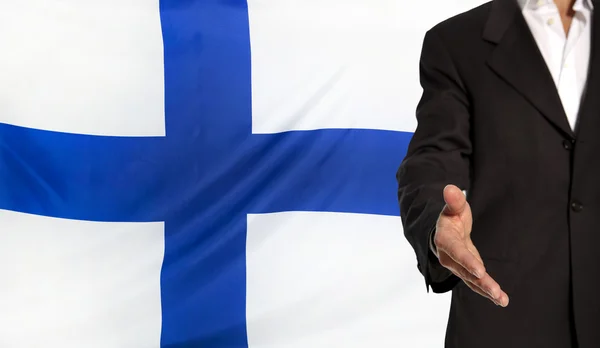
(498, 301)
(476, 274)
(501, 302)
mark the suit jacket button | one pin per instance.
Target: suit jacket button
(568, 144)
(576, 206)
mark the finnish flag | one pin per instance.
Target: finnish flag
(209, 173)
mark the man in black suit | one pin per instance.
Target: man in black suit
(500, 188)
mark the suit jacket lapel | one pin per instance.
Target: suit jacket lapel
(517, 59)
(590, 103)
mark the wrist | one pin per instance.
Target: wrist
(432, 245)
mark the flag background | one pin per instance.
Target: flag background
(210, 173)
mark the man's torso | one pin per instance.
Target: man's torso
(535, 186)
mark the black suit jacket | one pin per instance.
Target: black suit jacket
(490, 121)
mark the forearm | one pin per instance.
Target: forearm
(438, 155)
(420, 207)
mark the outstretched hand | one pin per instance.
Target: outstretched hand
(456, 251)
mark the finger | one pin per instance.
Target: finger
(479, 291)
(493, 289)
(502, 302)
(456, 268)
(467, 278)
(490, 285)
(455, 199)
(473, 249)
(486, 286)
(458, 251)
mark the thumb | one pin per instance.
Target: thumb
(455, 199)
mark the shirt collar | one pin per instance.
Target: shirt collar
(579, 4)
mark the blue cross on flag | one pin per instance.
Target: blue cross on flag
(208, 173)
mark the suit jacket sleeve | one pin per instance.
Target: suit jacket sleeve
(438, 154)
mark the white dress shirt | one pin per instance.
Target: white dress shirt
(567, 56)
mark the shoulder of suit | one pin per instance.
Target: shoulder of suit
(465, 24)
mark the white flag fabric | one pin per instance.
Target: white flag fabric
(210, 173)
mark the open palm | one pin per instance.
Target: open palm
(455, 250)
